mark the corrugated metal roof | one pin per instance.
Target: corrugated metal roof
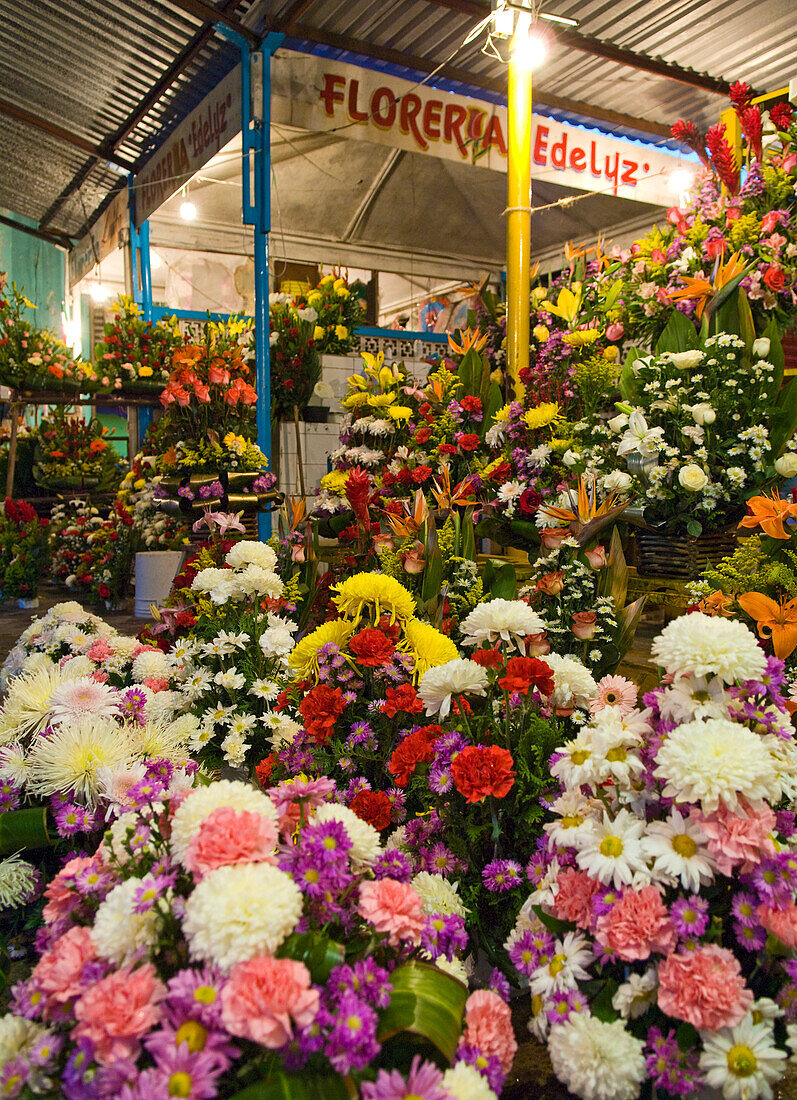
(86, 65)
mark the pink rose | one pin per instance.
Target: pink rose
(596, 557)
(61, 898)
(584, 624)
(392, 906)
(714, 247)
(780, 922)
(229, 836)
(638, 924)
(735, 840)
(615, 331)
(488, 1026)
(705, 987)
(265, 997)
(58, 972)
(117, 1011)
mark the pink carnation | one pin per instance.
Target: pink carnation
(735, 840)
(392, 906)
(488, 1026)
(780, 922)
(58, 972)
(117, 1011)
(638, 924)
(705, 987)
(156, 684)
(265, 997)
(99, 650)
(229, 836)
(573, 900)
(61, 899)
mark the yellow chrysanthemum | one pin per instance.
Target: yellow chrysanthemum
(542, 415)
(502, 416)
(379, 594)
(399, 412)
(584, 338)
(354, 400)
(379, 400)
(427, 645)
(303, 658)
(335, 482)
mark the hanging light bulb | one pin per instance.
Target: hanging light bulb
(155, 261)
(187, 208)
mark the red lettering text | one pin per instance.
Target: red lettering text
(384, 121)
(629, 167)
(410, 108)
(559, 152)
(578, 159)
(541, 145)
(329, 94)
(355, 114)
(453, 119)
(431, 119)
(495, 135)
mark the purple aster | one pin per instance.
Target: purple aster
(786, 823)
(10, 796)
(537, 868)
(195, 994)
(198, 1072)
(526, 951)
(771, 880)
(671, 1069)
(787, 1000)
(563, 1003)
(27, 1000)
(690, 915)
(190, 1037)
(13, 1077)
(398, 799)
(151, 889)
(750, 938)
(46, 1050)
(145, 792)
(71, 819)
(361, 734)
(393, 864)
(161, 769)
(78, 1079)
(488, 1065)
(500, 985)
(133, 705)
(440, 860)
(440, 781)
(423, 1081)
(604, 901)
(444, 935)
(94, 880)
(744, 907)
(366, 978)
(351, 1041)
(355, 787)
(502, 875)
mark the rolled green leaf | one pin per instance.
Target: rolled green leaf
(425, 1002)
(282, 1086)
(319, 953)
(21, 830)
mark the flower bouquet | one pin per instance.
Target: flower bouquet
(135, 356)
(153, 528)
(658, 940)
(224, 943)
(70, 524)
(58, 633)
(23, 551)
(340, 308)
(72, 454)
(295, 366)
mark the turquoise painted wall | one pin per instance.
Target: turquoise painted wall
(38, 266)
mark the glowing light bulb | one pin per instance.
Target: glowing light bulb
(681, 180)
(528, 47)
(187, 210)
(155, 261)
(99, 292)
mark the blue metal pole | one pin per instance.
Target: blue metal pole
(141, 274)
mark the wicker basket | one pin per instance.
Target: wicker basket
(680, 556)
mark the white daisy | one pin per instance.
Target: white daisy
(613, 851)
(742, 1062)
(264, 689)
(230, 679)
(568, 965)
(678, 847)
(634, 997)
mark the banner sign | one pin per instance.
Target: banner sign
(312, 93)
(201, 134)
(107, 233)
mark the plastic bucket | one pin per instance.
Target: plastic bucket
(155, 571)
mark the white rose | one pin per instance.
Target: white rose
(684, 360)
(570, 458)
(786, 465)
(761, 347)
(703, 414)
(692, 477)
(617, 481)
(617, 423)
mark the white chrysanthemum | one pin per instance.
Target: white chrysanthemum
(251, 553)
(397, 839)
(679, 848)
(715, 762)
(455, 968)
(509, 620)
(574, 684)
(18, 880)
(464, 1082)
(705, 645)
(70, 759)
(156, 740)
(613, 850)
(207, 579)
(190, 814)
(80, 665)
(634, 997)
(118, 931)
(27, 705)
(255, 581)
(18, 1037)
(83, 698)
(238, 912)
(597, 1061)
(123, 645)
(152, 662)
(438, 895)
(277, 641)
(14, 764)
(742, 1062)
(366, 845)
(457, 677)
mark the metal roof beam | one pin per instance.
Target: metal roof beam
(57, 239)
(58, 132)
(208, 14)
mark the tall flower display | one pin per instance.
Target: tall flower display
(295, 365)
(71, 452)
(134, 355)
(23, 550)
(339, 308)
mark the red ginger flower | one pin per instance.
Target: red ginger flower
(781, 115)
(374, 807)
(482, 770)
(402, 700)
(371, 647)
(358, 486)
(320, 709)
(524, 673)
(740, 95)
(723, 158)
(689, 134)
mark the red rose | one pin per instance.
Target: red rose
(104, 591)
(524, 673)
(374, 807)
(468, 441)
(774, 277)
(488, 658)
(501, 471)
(402, 700)
(416, 748)
(529, 502)
(422, 435)
(265, 768)
(421, 473)
(319, 709)
(482, 770)
(371, 647)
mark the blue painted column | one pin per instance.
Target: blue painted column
(141, 274)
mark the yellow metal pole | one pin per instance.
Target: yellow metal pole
(518, 217)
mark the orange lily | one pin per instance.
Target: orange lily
(769, 512)
(777, 621)
(471, 338)
(702, 289)
(409, 525)
(716, 604)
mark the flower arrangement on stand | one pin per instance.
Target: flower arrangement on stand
(60, 632)
(657, 942)
(340, 308)
(23, 551)
(72, 454)
(135, 356)
(154, 529)
(225, 942)
(70, 524)
(295, 365)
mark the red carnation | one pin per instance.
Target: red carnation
(265, 768)
(501, 471)
(402, 700)
(319, 709)
(374, 807)
(421, 474)
(447, 449)
(417, 748)
(471, 404)
(104, 591)
(371, 647)
(524, 673)
(467, 441)
(422, 435)
(488, 658)
(482, 770)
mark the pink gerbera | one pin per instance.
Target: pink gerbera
(614, 691)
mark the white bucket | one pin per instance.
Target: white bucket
(155, 571)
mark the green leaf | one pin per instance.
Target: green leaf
(686, 1037)
(776, 358)
(679, 334)
(469, 372)
(602, 1004)
(746, 323)
(614, 575)
(504, 582)
(784, 416)
(554, 924)
(432, 576)
(495, 401)
(694, 527)
(21, 830)
(612, 294)
(628, 620)
(627, 383)
(427, 1003)
(724, 308)
(468, 535)
(316, 1086)
(319, 953)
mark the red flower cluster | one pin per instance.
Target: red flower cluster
(488, 658)
(402, 700)
(265, 768)
(482, 770)
(358, 488)
(371, 647)
(524, 673)
(19, 512)
(416, 748)
(320, 709)
(374, 807)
